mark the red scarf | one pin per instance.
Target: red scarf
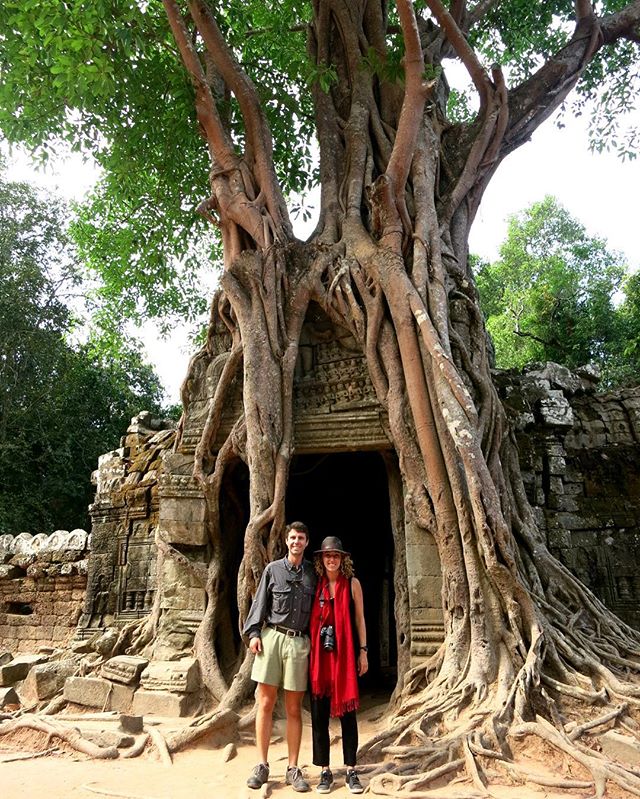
(333, 674)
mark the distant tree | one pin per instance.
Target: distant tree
(624, 367)
(550, 295)
(61, 403)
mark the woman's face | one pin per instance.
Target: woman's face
(331, 562)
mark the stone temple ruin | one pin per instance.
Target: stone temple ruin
(579, 454)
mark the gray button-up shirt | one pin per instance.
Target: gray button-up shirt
(284, 596)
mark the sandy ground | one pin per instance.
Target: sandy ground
(199, 773)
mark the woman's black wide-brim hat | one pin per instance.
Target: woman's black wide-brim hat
(331, 544)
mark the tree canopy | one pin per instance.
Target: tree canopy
(63, 401)
(108, 81)
(553, 295)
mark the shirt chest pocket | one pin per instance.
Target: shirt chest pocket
(281, 600)
(307, 598)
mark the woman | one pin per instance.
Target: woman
(338, 658)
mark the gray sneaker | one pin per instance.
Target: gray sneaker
(259, 776)
(296, 780)
(326, 780)
(353, 783)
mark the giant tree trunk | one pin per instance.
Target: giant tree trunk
(400, 187)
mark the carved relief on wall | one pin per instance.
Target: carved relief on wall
(331, 371)
(136, 571)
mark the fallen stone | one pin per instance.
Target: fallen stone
(621, 747)
(105, 643)
(8, 696)
(97, 692)
(19, 667)
(161, 703)
(124, 668)
(106, 738)
(131, 724)
(181, 676)
(5, 657)
(45, 680)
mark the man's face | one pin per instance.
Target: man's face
(296, 543)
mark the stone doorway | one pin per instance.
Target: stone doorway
(346, 494)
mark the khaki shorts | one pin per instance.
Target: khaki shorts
(284, 660)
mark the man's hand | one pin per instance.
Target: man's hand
(255, 645)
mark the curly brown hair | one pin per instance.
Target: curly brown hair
(346, 565)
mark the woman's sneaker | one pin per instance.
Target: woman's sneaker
(259, 776)
(353, 783)
(326, 780)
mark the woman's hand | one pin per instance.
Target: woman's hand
(363, 663)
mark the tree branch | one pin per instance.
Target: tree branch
(624, 24)
(538, 97)
(463, 50)
(220, 147)
(259, 140)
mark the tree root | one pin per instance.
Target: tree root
(523, 774)
(28, 755)
(108, 792)
(137, 748)
(161, 745)
(600, 768)
(71, 736)
(201, 727)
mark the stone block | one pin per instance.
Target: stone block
(425, 592)
(107, 738)
(621, 747)
(555, 410)
(162, 703)
(96, 692)
(19, 667)
(124, 669)
(45, 679)
(88, 691)
(5, 657)
(181, 676)
(184, 532)
(8, 696)
(131, 724)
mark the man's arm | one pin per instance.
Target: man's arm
(258, 613)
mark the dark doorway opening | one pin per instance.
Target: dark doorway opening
(347, 494)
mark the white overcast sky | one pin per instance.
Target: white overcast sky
(598, 189)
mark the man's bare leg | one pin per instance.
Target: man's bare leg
(265, 700)
(293, 707)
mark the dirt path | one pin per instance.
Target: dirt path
(198, 773)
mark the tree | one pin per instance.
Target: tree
(61, 404)
(401, 179)
(550, 296)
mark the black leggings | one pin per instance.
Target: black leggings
(320, 709)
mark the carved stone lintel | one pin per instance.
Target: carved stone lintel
(124, 668)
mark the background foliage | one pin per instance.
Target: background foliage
(65, 398)
(556, 293)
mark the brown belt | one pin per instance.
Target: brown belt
(287, 631)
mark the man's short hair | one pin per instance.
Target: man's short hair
(299, 527)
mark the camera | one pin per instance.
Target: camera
(328, 638)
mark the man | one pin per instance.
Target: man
(277, 628)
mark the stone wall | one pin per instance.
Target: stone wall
(580, 459)
(42, 588)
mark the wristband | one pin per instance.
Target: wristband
(364, 648)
